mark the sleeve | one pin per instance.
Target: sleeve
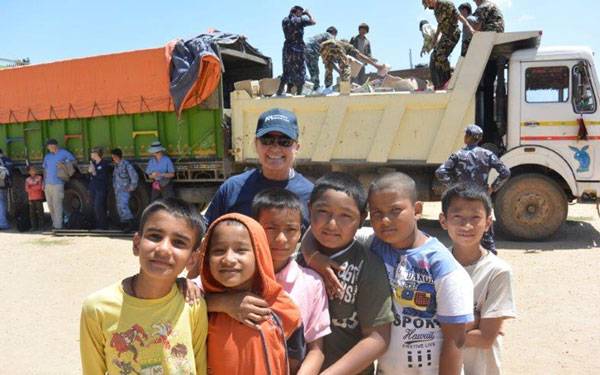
(305, 20)
(296, 346)
(150, 166)
(199, 334)
(499, 302)
(502, 169)
(68, 156)
(368, 48)
(170, 166)
(133, 176)
(318, 324)
(216, 206)
(444, 170)
(45, 162)
(353, 41)
(454, 297)
(374, 294)
(91, 342)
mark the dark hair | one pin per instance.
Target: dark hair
(468, 192)
(343, 182)
(181, 210)
(332, 30)
(466, 6)
(97, 150)
(117, 152)
(278, 198)
(396, 181)
(423, 22)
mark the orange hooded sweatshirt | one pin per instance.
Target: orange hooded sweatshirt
(234, 348)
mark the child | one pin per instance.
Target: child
(361, 317)
(34, 186)
(471, 165)
(466, 215)
(235, 257)
(142, 324)
(433, 295)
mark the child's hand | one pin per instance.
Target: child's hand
(327, 268)
(189, 289)
(247, 308)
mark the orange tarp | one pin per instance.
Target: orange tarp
(120, 83)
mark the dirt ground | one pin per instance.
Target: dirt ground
(557, 286)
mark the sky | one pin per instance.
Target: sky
(54, 30)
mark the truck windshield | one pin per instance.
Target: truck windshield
(584, 100)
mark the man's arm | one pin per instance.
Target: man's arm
(373, 344)
(484, 336)
(451, 355)
(133, 177)
(444, 171)
(503, 172)
(311, 20)
(465, 22)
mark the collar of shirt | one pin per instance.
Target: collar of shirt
(288, 275)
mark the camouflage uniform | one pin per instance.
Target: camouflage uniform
(125, 180)
(446, 16)
(335, 52)
(471, 166)
(489, 17)
(294, 71)
(312, 53)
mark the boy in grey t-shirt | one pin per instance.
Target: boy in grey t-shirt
(466, 215)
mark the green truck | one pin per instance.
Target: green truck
(122, 100)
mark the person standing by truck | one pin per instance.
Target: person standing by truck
(313, 52)
(445, 39)
(54, 186)
(125, 181)
(276, 146)
(34, 186)
(99, 170)
(467, 14)
(161, 171)
(294, 70)
(471, 166)
(5, 182)
(363, 45)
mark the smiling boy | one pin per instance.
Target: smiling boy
(143, 324)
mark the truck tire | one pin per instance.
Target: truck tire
(530, 207)
(139, 200)
(77, 198)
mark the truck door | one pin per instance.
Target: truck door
(551, 109)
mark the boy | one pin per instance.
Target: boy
(34, 186)
(235, 257)
(471, 165)
(125, 181)
(142, 324)
(433, 295)
(361, 316)
(466, 215)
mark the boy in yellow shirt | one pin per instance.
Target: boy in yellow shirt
(142, 324)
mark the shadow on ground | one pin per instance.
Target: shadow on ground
(571, 235)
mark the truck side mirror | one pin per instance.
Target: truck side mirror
(584, 99)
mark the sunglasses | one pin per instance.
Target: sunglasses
(281, 141)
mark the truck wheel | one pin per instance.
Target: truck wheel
(77, 198)
(139, 200)
(530, 207)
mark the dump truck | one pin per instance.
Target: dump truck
(540, 116)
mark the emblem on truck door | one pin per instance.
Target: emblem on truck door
(583, 157)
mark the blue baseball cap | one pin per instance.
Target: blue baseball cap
(473, 130)
(277, 120)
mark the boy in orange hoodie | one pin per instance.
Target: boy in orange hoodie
(235, 256)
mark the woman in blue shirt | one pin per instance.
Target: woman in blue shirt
(161, 171)
(99, 175)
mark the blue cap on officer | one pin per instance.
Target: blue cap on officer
(474, 131)
(277, 120)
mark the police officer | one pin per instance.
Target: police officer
(125, 181)
(446, 37)
(471, 166)
(313, 51)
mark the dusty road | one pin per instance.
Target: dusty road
(44, 279)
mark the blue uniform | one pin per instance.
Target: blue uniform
(294, 71)
(312, 53)
(98, 188)
(125, 179)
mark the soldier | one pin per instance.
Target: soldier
(467, 14)
(294, 71)
(363, 45)
(313, 51)
(488, 17)
(335, 56)
(446, 16)
(471, 165)
(125, 180)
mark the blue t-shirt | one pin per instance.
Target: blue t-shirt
(164, 165)
(429, 287)
(237, 192)
(50, 165)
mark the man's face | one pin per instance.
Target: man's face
(115, 159)
(273, 156)
(52, 148)
(466, 221)
(362, 31)
(464, 12)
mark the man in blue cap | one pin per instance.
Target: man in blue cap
(471, 166)
(276, 146)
